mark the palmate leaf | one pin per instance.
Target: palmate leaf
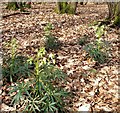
(33, 104)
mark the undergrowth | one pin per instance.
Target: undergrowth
(98, 49)
(51, 42)
(15, 66)
(34, 90)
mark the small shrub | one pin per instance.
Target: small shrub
(51, 42)
(48, 29)
(14, 66)
(99, 31)
(39, 94)
(98, 49)
(96, 53)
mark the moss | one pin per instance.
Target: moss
(56, 10)
(117, 20)
(70, 10)
(12, 6)
(65, 8)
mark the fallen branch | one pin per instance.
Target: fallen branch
(5, 16)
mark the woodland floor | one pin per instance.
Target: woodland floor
(95, 91)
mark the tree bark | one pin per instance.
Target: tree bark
(58, 7)
(12, 5)
(114, 12)
(114, 9)
(18, 5)
(64, 7)
(74, 6)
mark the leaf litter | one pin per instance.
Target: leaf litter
(93, 89)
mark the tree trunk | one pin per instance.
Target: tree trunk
(59, 6)
(12, 5)
(28, 4)
(111, 8)
(18, 5)
(64, 7)
(74, 7)
(117, 9)
(114, 12)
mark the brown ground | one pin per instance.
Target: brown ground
(96, 91)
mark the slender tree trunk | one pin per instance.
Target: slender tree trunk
(59, 7)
